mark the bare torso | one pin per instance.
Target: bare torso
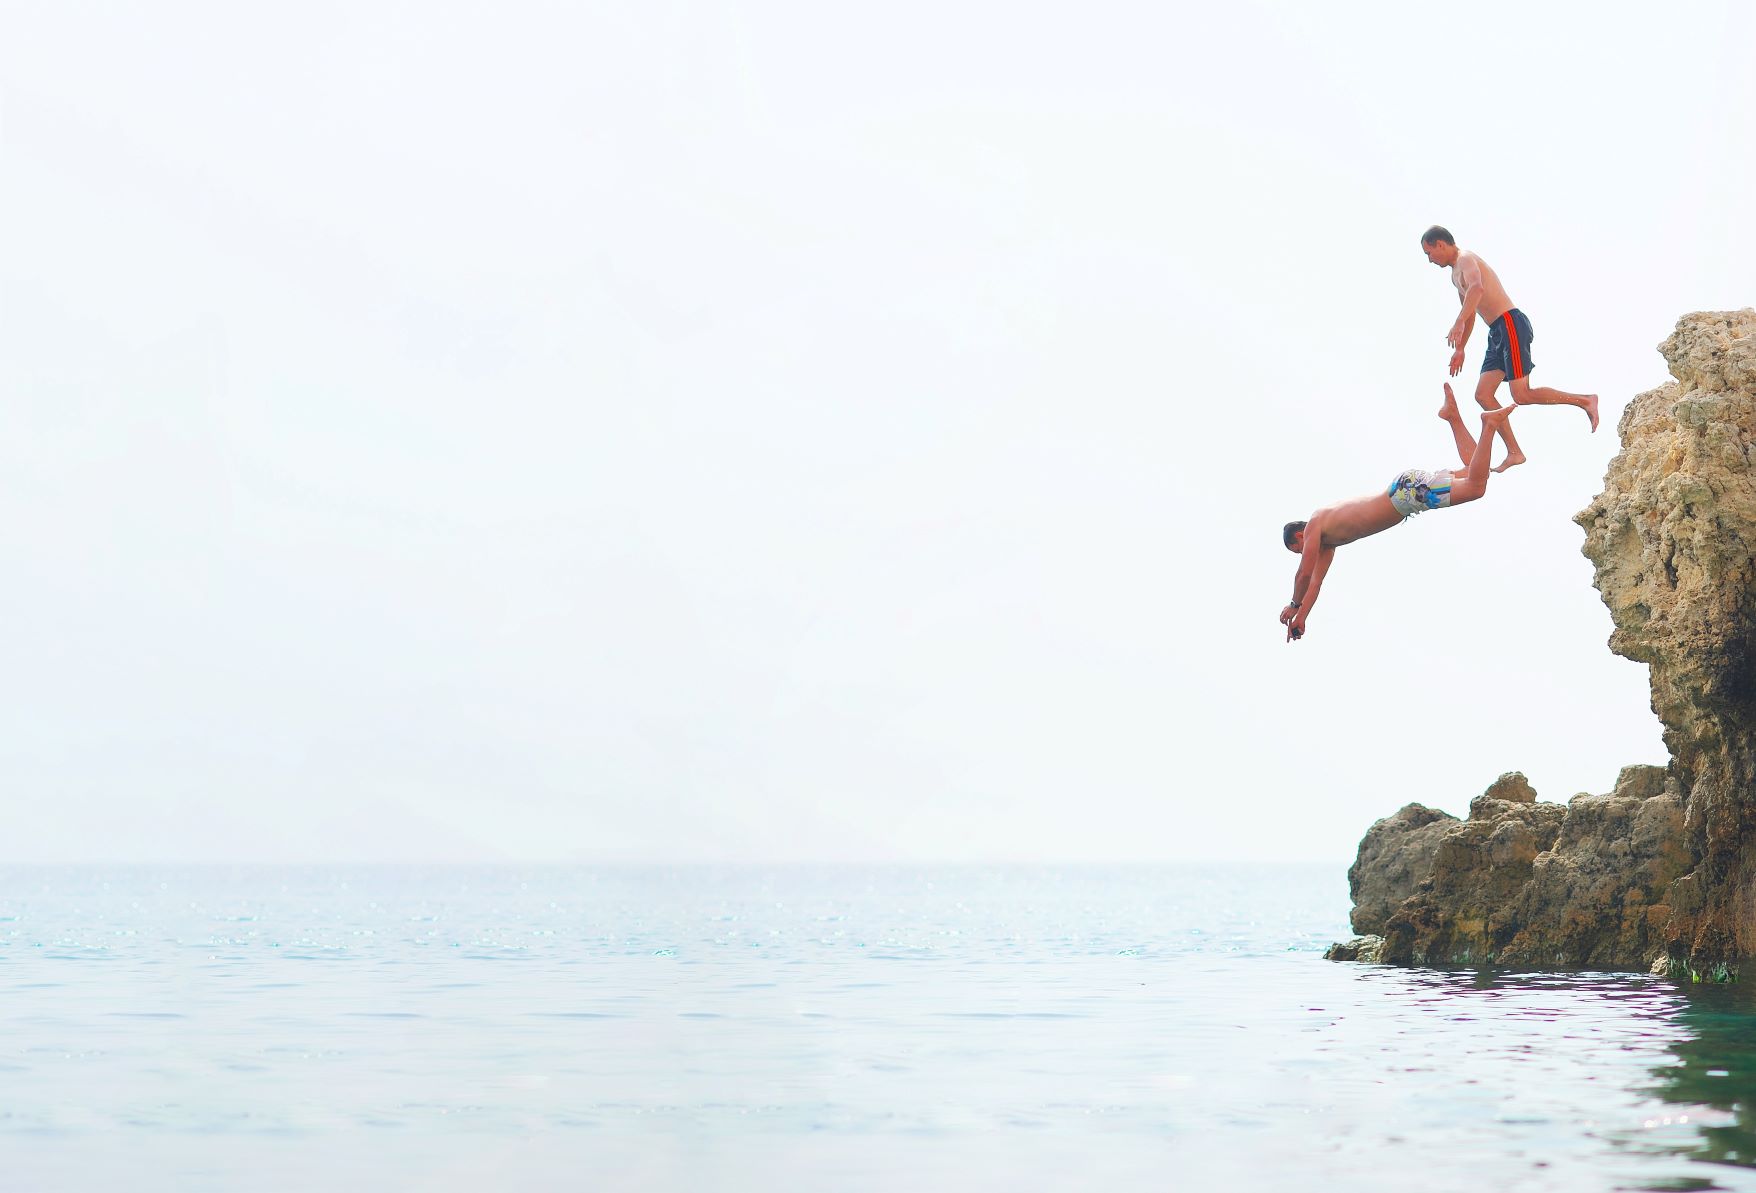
(1349, 520)
(1494, 300)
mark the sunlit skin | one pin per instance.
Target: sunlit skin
(1479, 292)
(1346, 521)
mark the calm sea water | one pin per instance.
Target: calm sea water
(799, 1028)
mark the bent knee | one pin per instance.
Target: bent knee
(1520, 390)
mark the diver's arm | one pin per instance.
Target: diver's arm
(1313, 566)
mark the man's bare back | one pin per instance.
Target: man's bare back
(1347, 521)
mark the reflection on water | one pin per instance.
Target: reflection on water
(1714, 1074)
(1698, 1106)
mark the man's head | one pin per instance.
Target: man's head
(1293, 535)
(1440, 248)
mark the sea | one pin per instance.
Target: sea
(791, 1027)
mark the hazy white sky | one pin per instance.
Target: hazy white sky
(684, 430)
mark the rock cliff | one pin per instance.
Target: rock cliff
(1661, 872)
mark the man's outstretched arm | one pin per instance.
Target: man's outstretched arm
(1469, 272)
(1307, 583)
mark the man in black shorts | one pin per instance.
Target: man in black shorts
(1509, 335)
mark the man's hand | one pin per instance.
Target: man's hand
(1457, 361)
(1293, 618)
(1454, 337)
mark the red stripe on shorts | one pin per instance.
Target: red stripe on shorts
(1512, 346)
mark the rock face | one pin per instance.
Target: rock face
(1661, 872)
(1533, 884)
(1672, 537)
(1395, 857)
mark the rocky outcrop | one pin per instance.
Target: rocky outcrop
(1369, 949)
(1533, 884)
(1395, 857)
(1661, 872)
(1599, 896)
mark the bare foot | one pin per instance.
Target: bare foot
(1449, 410)
(1591, 409)
(1493, 420)
(1512, 460)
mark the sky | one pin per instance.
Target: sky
(674, 431)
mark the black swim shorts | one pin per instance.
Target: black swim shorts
(1509, 339)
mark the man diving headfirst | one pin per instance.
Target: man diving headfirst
(1316, 539)
(1479, 292)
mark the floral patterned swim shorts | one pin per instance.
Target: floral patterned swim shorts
(1417, 490)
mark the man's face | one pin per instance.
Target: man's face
(1297, 546)
(1440, 253)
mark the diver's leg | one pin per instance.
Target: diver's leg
(1473, 482)
(1466, 443)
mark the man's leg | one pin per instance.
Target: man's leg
(1466, 443)
(1485, 399)
(1473, 482)
(1524, 395)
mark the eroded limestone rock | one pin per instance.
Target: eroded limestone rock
(1599, 896)
(1461, 913)
(1672, 537)
(1532, 884)
(1395, 857)
(1368, 949)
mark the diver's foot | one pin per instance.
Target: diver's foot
(1591, 409)
(1512, 460)
(1493, 420)
(1449, 410)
